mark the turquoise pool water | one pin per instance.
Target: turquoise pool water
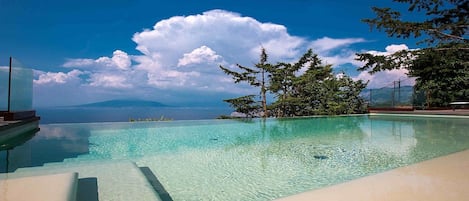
(256, 159)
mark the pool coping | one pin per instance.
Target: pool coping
(442, 112)
(441, 178)
(417, 115)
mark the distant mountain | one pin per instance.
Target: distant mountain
(385, 95)
(125, 103)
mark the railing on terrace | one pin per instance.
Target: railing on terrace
(399, 94)
(16, 87)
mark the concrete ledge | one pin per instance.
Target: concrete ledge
(11, 130)
(19, 115)
(443, 178)
(58, 187)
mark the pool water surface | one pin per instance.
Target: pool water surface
(249, 159)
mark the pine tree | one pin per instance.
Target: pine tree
(441, 68)
(245, 105)
(282, 80)
(253, 76)
(316, 91)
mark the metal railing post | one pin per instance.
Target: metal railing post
(9, 86)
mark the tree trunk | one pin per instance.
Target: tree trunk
(264, 100)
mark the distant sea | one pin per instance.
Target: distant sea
(124, 114)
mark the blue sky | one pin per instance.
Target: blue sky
(169, 51)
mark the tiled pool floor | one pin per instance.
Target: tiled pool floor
(443, 178)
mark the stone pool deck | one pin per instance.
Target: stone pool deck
(442, 178)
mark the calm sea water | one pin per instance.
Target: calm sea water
(247, 160)
(103, 114)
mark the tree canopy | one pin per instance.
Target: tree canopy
(442, 67)
(445, 21)
(255, 77)
(315, 91)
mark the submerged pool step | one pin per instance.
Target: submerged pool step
(75, 163)
(88, 157)
(52, 163)
(117, 180)
(85, 158)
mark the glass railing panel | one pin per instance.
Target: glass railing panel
(21, 87)
(4, 88)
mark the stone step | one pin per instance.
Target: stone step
(90, 159)
(117, 180)
(59, 187)
(82, 161)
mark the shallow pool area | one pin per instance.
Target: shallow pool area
(247, 159)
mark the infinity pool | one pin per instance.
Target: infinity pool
(251, 159)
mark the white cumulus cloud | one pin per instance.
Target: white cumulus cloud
(227, 33)
(325, 44)
(79, 63)
(390, 49)
(120, 60)
(109, 80)
(200, 55)
(183, 53)
(59, 77)
(385, 78)
(107, 72)
(336, 51)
